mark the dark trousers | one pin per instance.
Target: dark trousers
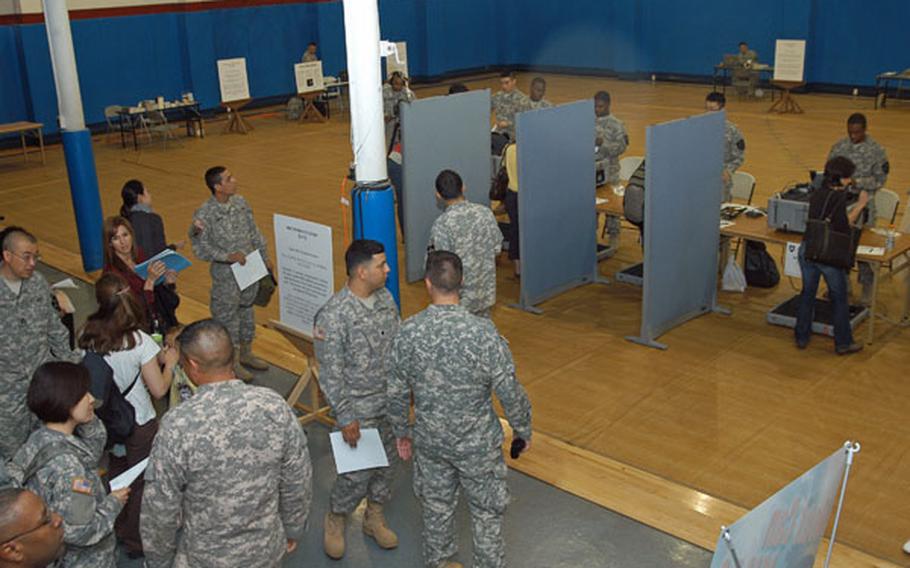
(138, 446)
(836, 279)
(512, 211)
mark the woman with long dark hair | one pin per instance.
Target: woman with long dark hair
(61, 462)
(142, 370)
(121, 255)
(148, 226)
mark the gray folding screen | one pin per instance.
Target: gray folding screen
(448, 132)
(558, 225)
(683, 165)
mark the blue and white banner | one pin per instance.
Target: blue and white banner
(785, 530)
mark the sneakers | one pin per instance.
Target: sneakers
(847, 349)
(374, 525)
(247, 359)
(333, 538)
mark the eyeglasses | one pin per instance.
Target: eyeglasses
(27, 258)
(46, 519)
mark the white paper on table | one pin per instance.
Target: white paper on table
(368, 454)
(253, 271)
(870, 251)
(791, 260)
(126, 478)
(65, 283)
(600, 200)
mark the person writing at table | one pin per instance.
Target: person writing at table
(829, 202)
(121, 255)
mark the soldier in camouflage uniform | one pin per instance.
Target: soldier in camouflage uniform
(453, 362)
(734, 145)
(395, 92)
(469, 230)
(224, 232)
(872, 169)
(229, 480)
(611, 138)
(538, 90)
(507, 103)
(353, 335)
(32, 534)
(59, 462)
(30, 335)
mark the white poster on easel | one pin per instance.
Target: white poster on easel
(786, 530)
(309, 77)
(789, 60)
(305, 270)
(400, 63)
(232, 80)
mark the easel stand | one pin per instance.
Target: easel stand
(311, 112)
(236, 122)
(312, 411)
(786, 103)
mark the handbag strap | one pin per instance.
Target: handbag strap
(132, 384)
(825, 207)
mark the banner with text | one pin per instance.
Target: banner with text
(305, 273)
(786, 530)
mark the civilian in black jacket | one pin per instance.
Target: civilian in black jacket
(829, 201)
(147, 225)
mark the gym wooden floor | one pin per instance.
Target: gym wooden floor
(725, 417)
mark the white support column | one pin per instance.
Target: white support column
(63, 60)
(361, 31)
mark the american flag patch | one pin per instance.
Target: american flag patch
(82, 485)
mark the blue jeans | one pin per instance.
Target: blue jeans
(836, 278)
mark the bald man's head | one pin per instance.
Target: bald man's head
(207, 346)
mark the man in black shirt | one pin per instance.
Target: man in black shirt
(830, 200)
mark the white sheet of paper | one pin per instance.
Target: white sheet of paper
(129, 476)
(791, 260)
(871, 251)
(65, 283)
(368, 454)
(600, 200)
(253, 271)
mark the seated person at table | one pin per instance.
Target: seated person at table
(508, 102)
(829, 202)
(310, 53)
(538, 90)
(744, 77)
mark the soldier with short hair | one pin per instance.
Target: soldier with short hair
(611, 138)
(469, 230)
(734, 145)
(507, 103)
(224, 232)
(31, 334)
(452, 362)
(31, 535)
(353, 335)
(872, 168)
(536, 98)
(229, 478)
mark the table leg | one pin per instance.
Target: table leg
(870, 332)
(122, 132)
(41, 145)
(24, 146)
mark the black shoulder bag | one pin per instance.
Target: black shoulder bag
(825, 245)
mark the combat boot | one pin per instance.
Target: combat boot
(449, 564)
(333, 537)
(239, 370)
(374, 525)
(247, 359)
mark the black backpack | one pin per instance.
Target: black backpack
(117, 414)
(759, 267)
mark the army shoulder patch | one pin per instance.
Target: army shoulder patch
(82, 485)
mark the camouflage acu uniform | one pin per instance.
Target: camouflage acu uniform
(535, 105)
(229, 480)
(70, 485)
(229, 228)
(505, 106)
(392, 98)
(470, 230)
(31, 334)
(453, 362)
(611, 133)
(734, 156)
(352, 345)
(872, 167)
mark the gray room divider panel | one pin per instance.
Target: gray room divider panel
(448, 132)
(682, 213)
(558, 225)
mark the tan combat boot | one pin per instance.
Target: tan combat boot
(239, 370)
(374, 526)
(333, 537)
(450, 564)
(247, 359)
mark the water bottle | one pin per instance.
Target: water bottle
(889, 238)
